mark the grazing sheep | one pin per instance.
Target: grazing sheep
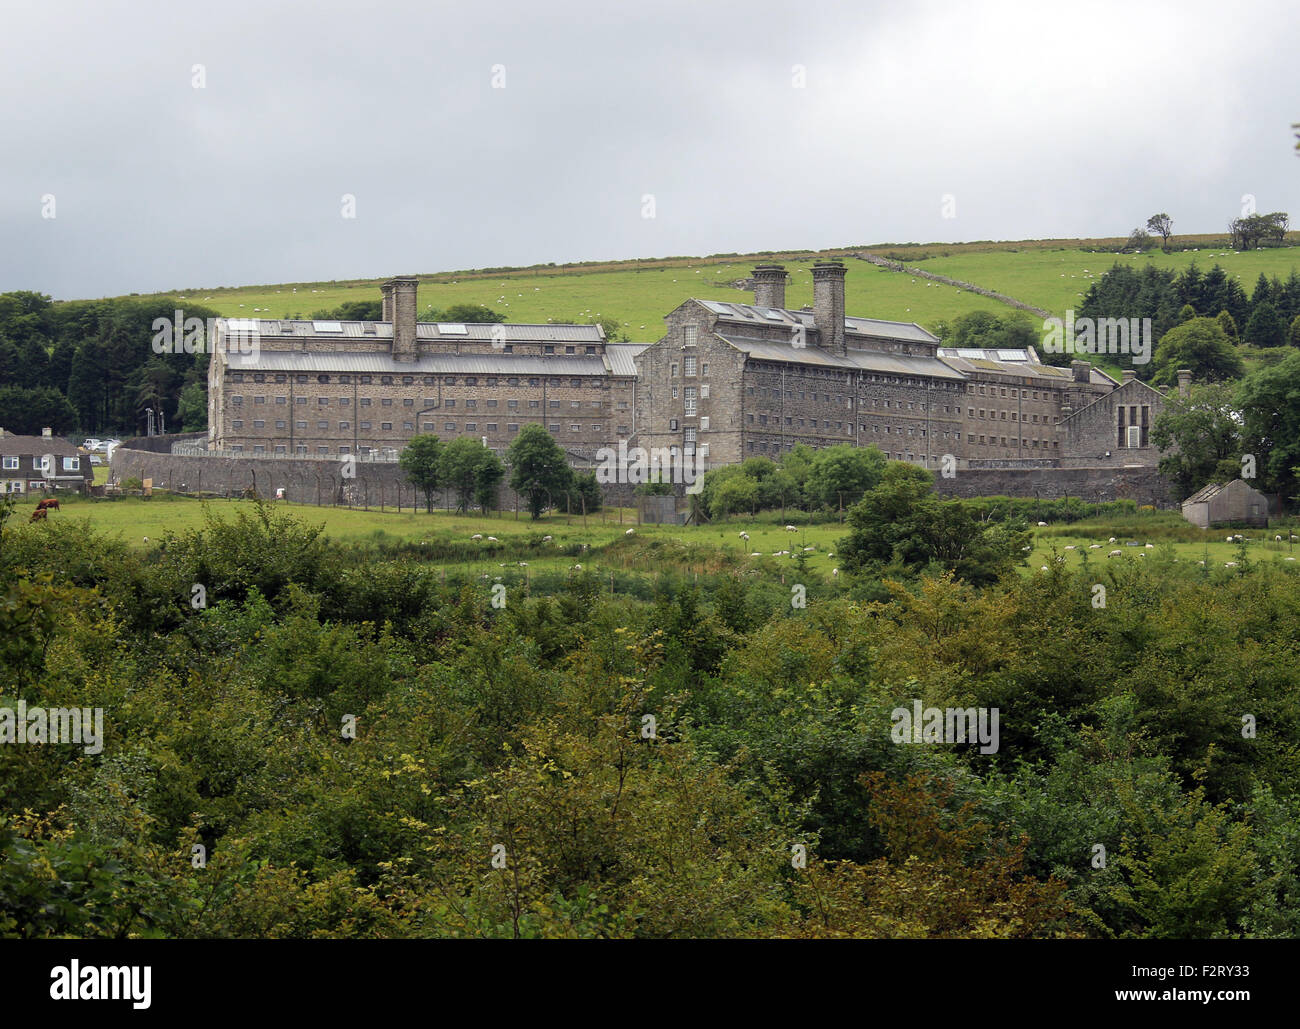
(1277, 539)
(1095, 546)
(546, 539)
(835, 571)
(1071, 546)
(1229, 564)
(477, 536)
(791, 528)
(1112, 540)
(1151, 546)
(1044, 568)
(745, 536)
(1115, 553)
(629, 532)
(577, 568)
(493, 539)
(1228, 540)
(1041, 524)
(755, 554)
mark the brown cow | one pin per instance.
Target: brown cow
(49, 504)
(40, 514)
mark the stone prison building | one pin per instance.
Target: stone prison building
(727, 381)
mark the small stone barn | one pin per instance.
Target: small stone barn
(1227, 503)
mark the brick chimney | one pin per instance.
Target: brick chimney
(828, 304)
(47, 433)
(1081, 370)
(1129, 375)
(402, 291)
(1184, 382)
(387, 289)
(769, 285)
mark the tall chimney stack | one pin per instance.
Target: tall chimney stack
(828, 304)
(387, 289)
(402, 291)
(1184, 382)
(769, 285)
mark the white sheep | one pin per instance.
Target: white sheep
(1071, 546)
(493, 539)
(835, 571)
(1112, 540)
(1115, 553)
(630, 532)
(546, 539)
(477, 536)
(1095, 546)
(791, 528)
(1041, 524)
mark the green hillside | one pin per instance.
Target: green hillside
(1050, 274)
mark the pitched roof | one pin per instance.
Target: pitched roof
(1213, 489)
(11, 444)
(382, 362)
(867, 327)
(450, 332)
(858, 360)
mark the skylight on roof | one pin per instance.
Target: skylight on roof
(452, 329)
(327, 326)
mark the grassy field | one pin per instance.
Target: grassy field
(1051, 274)
(1057, 280)
(638, 299)
(605, 545)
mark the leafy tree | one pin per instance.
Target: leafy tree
(1266, 327)
(1199, 438)
(1163, 226)
(844, 471)
(1139, 240)
(1202, 346)
(1295, 332)
(420, 461)
(586, 493)
(472, 470)
(902, 524)
(1227, 324)
(538, 468)
(467, 313)
(1270, 407)
(194, 408)
(28, 411)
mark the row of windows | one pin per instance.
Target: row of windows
(688, 368)
(323, 426)
(1002, 416)
(409, 380)
(70, 464)
(429, 402)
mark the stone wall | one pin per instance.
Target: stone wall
(304, 481)
(1095, 484)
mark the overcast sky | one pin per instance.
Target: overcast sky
(1036, 119)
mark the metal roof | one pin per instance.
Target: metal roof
(858, 360)
(445, 364)
(622, 357)
(872, 327)
(510, 333)
(1018, 362)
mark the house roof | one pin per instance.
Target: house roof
(858, 360)
(1213, 489)
(874, 328)
(30, 446)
